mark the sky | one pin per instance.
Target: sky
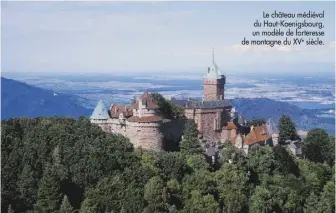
(135, 37)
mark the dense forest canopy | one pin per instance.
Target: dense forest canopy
(67, 165)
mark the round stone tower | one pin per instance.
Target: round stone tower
(145, 125)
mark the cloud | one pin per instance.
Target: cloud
(128, 36)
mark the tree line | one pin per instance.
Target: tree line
(54, 165)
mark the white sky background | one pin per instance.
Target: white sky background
(131, 37)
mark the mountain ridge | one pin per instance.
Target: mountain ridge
(19, 99)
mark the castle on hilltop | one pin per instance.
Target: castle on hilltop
(216, 119)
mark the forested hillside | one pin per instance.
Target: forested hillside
(19, 99)
(67, 165)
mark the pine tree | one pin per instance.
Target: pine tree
(190, 143)
(66, 206)
(287, 130)
(28, 185)
(49, 195)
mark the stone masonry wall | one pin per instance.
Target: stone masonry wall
(208, 127)
(205, 122)
(213, 89)
(144, 135)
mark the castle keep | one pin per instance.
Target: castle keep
(215, 117)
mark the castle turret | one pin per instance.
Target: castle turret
(100, 116)
(100, 112)
(213, 82)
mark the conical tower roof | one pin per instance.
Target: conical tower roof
(213, 70)
(100, 112)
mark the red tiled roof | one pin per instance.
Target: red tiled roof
(117, 109)
(258, 134)
(146, 119)
(148, 100)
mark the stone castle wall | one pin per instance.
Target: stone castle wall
(145, 135)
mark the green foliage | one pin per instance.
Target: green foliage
(49, 193)
(44, 159)
(168, 109)
(153, 190)
(262, 201)
(200, 203)
(287, 130)
(227, 152)
(261, 159)
(313, 204)
(203, 181)
(190, 143)
(172, 165)
(197, 162)
(231, 184)
(315, 175)
(174, 194)
(155, 195)
(66, 206)
(328, 197)
(190, 129)
(148, 162)
(319, 147)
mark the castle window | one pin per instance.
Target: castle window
(139, 130)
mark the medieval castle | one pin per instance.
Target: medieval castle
(215, 117)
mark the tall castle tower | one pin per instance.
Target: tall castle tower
(213, 82)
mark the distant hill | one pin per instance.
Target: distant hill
(305, 119)
(22, 100)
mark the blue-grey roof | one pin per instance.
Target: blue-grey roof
(207, 104)
(100, 112)
(213, 70)
(179, 102)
